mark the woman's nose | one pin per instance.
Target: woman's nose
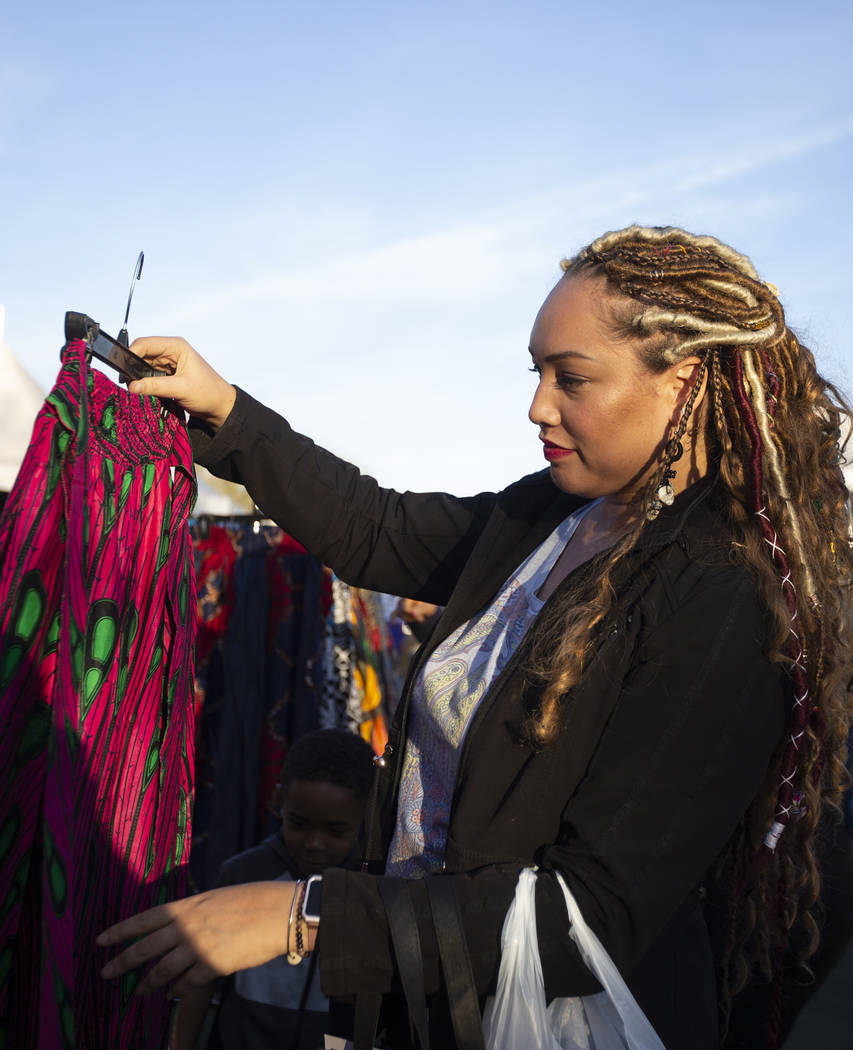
(542, 410)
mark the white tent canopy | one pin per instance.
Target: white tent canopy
(218, 497)
(20, 400)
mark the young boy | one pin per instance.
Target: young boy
(323, 788)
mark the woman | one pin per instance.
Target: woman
(640, 676)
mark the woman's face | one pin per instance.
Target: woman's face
(602, 415)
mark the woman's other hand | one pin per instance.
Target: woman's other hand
(196, 387)
(194, 940)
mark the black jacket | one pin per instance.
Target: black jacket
(665, 741)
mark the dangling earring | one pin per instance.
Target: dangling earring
(672, 454)
(665, 495)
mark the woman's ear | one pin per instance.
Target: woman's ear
(684, 374)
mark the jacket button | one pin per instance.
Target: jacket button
(379, 760)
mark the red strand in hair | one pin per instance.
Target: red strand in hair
(802, 707)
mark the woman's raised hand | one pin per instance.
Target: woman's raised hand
(196, 387)
(196, 939)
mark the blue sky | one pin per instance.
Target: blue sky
(354, 211)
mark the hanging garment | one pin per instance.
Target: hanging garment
(230, 719)
(262, 603)
(97, 622)
(214, 557)
(372, 643)
(299, 598)
(340, 701)
(361, 676)
(214, 564)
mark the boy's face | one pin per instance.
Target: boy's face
(319, 823)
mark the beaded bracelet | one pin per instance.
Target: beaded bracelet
(300, 944)
(301, 950)
(295, 957)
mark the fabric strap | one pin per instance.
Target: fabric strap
(366, 1019)
(309, 980)
(455, 964)
(403, 926)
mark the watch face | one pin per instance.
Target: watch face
(313, 897)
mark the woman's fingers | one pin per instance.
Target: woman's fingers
(220, 931)
(193, 384)
(166, 352)
(150, 947)
(171, 968)
(196, 976)
(158, 386)
(136, 926)
(153, 946)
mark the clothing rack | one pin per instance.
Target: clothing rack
(283, 648)
(202, 522)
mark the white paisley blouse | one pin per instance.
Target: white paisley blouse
(449, 688)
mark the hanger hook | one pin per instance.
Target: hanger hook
(137, 274)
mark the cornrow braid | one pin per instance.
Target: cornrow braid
(774, 429)
(715, 309)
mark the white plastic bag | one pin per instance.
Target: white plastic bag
(517, 1018)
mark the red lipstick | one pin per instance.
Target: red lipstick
(553, 451)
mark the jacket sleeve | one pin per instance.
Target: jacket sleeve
(681, 757)
(409, 544)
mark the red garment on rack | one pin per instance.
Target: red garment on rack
(97, 620)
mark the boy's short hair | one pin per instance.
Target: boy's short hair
(335, 756)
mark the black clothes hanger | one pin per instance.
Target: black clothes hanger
(106, 348)
(113, 352)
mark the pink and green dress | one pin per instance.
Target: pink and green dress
(97, 626)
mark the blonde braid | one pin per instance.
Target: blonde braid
(772, 458)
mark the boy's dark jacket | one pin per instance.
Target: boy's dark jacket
(664, 743)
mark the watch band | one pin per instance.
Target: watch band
(310, 906)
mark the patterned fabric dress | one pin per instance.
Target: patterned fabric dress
(358, 683)
(97, 623)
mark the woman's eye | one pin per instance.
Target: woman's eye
(569, 381)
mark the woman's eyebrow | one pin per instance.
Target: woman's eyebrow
(561, 354)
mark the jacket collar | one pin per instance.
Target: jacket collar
(525, 514)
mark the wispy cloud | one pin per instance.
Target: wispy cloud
(684, 174)
(755, 157)
(449, 265)
(479, 256)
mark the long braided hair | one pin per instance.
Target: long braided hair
(774, 429)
